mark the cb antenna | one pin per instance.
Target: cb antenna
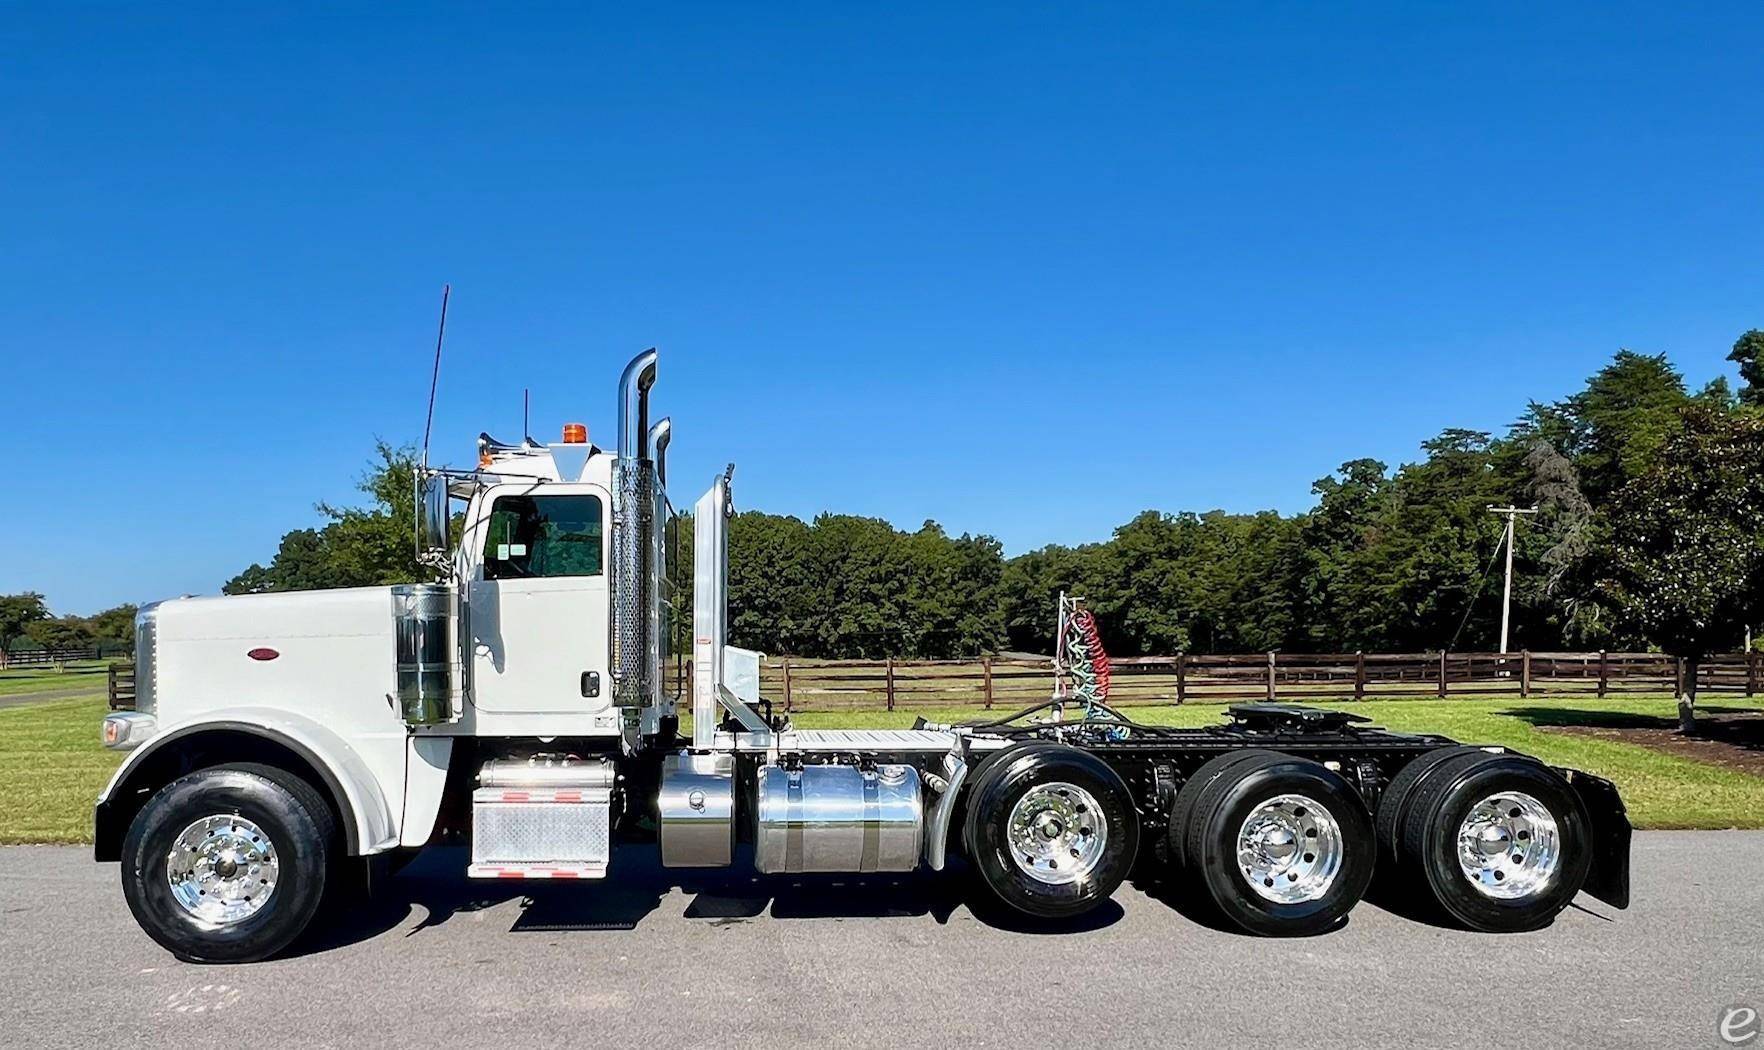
(526, 415)
(435, 375)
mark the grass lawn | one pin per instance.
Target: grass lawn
(52, 766)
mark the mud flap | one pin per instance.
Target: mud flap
(1608, 880)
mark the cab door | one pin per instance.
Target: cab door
(536, 608)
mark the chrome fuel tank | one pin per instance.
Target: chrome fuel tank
(837, 818)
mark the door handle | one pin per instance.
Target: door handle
(590, 683)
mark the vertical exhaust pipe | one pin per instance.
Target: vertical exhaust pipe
(659, 437)
(635, 609)
(660, 588)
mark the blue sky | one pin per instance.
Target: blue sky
(1023, 269)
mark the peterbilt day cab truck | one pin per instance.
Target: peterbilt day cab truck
(283, 742)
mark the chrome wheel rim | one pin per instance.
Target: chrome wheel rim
(222, 869)
(1290, 849)
(1057, 833)
(1509, 846)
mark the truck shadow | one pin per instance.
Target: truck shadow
(637, 885)
(1719, 721)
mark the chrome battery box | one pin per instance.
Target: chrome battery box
(696, 809)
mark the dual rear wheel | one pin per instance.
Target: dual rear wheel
(1283, 846)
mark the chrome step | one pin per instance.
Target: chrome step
(542, 819)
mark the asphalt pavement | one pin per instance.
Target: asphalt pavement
(643, 961)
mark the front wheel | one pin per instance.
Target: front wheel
(228, 864)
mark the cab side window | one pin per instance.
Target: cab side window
(536, 536)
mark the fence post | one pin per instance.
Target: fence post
(787, 684)
(1604, 672)
(986, 666)
(1181, 677)
(1525, 672)
(1359, 674)
(1442, 674)
(1751, 672)
(891, 683)
(1270, 676)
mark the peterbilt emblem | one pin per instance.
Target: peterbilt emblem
(263, 654)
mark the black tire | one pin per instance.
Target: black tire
(1175, 837)
(1217, 812)
(985, 835)
(300, 828)
(1393, 805)
(1428, 847)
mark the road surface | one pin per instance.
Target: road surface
(895, 963)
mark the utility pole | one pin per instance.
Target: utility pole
(1512, 514)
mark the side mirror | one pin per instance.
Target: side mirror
(431, 512)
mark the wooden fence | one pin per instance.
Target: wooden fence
(998, 683)
(46, 657)
(849, 685)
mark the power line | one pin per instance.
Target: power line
(1477, 593)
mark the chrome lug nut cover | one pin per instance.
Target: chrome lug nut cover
(1290, 849)
(222, 869)
(1057, 833)
(1509, 846)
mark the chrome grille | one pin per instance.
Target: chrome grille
(147, 658)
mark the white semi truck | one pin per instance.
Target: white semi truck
(280, 743)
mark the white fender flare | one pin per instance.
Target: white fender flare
(369, 823)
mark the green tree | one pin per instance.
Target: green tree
(1687, 548)
(1748, 353)
(61, 634)
(1619, 423)
(18, 612)
(360, 547)
(1331, 538)
(113, 626)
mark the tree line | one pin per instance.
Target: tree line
(1649, 534)
(26, 623)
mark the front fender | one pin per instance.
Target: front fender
(369, 821)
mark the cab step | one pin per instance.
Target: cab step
(548, 817)
(536, 871)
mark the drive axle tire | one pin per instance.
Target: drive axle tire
(1393, 805)
(228, 864)
(1502, 841)
(1182, 807)
(1050, 829)
(1280, 845)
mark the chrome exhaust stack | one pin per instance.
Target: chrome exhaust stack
(659, 436)
(635, 656)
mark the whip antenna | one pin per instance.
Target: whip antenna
(435, 375)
